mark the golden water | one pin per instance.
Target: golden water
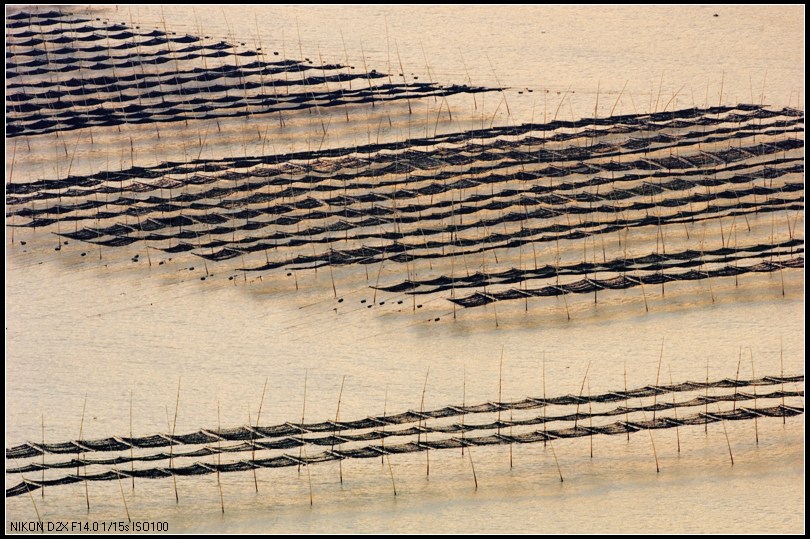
(79, 327)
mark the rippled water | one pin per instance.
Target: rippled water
(82, 328)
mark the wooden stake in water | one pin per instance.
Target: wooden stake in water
(382, 435)
(652, 442)
(404, 80)
(782, 374)
(590, 416)
(332, 274)
(626, 404)
(643, 293)
(557, 462)
(754, 377)
(463, 406)
(545, 404)
(388, 49)
(472, 466)
(581, 390)
(309, 477)
(657, 377)
(418, 439)
(706, 409)
(708, 280)
(42, 488)
(391, 472)
(469, 80)
(675, 409)
(728, 442)
(10, 180)
(303, 412)
(337, 416)
(81, 431)
(258, 418)
(736, 379)
(131, 447)
(171, 447)
(346, 53)
(510, 438)
(385, 456)
(219, 460)
(126, 508)
(500, 390)
(39, 519)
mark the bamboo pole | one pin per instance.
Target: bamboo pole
(581, 390)
(736, 379)
(545, 435)
(42, 488)
(337, 416)
(39, 519)
(418, 439)
(626, 404)
(590, 418)
(382, 437)
(652, 442)
(81, 430)
(706, 409)
(171, 447)
(258, 418)
(753, 377)
(219, 461)
(728, 442)
(131, 447)
(545, 403)
(463, 406)
(782, 374)
(386, 458)
(657, 377)
(126, 508)
(675, 409)
(303, 413)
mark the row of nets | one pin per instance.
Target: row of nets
(372, 451)
(82, 73)
(120, 443)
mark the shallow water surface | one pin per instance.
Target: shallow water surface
(114, 336)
